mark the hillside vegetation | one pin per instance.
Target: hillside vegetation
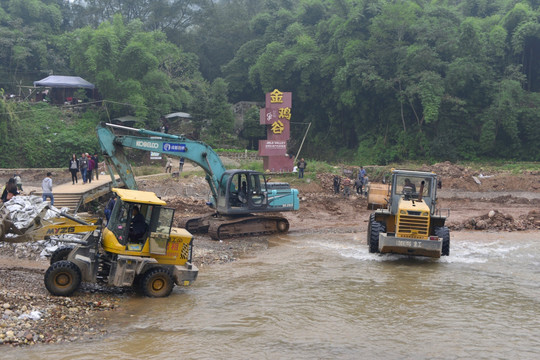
(379, 80)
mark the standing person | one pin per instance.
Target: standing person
(91, 166)
(96, 165)
(301, 167)
(358, 185)
(74, 168)
(346, 187)
(18, 180)
(182, 164)
(10, 190)
(366, 182)
(46, 187)
(83, 166)
(337, 184)
(362, 174)
(168, 166)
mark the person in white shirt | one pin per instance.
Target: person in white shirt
(46, 187)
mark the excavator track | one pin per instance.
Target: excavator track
(227, 227)
(196, 225)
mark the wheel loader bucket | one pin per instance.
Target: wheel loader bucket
(24, 234)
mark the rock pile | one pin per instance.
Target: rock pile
(29, 317)
(495, 220)
(447, 169)
(326, 181)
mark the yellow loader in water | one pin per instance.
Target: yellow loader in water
(410, 224)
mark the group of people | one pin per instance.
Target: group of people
(359, 183)
(87, 165)
(168, 166)
(14, 187)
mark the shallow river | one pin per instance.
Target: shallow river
(325, 297)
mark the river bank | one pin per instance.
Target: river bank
(29, 315)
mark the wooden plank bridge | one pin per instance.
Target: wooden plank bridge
(73, 196)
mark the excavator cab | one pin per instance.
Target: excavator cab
(242, 191)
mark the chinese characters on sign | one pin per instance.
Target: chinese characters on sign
(276, 116)
(276, 96)
(277, 127)
(285, 113)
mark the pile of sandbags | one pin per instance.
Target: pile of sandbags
(23, 210)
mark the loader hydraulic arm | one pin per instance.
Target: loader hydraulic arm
(112, 146)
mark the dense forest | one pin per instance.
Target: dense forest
(379, 80)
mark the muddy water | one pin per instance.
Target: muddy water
(326, 297)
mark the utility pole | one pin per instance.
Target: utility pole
(298, 153)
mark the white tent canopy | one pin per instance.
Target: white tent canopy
(61, 81)
(182, 115)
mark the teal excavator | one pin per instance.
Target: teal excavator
(244, 202)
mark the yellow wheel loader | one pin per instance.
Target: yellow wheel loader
(410, 224)
(152, 260)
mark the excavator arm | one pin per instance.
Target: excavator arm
(112, 146)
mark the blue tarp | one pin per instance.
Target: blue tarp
(61, 81)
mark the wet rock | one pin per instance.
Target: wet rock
(481, 225)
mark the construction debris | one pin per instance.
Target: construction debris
(497, 221)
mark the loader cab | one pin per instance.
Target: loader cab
(413, 186)
(137, 215)
(241, 192)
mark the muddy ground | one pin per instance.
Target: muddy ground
(29, 315)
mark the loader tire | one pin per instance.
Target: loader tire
(371, 220)
(63, 278)
(61, 254)
(157, 282)
(444, 233)
(374, 229)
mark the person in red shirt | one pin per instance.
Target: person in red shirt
(346, 186)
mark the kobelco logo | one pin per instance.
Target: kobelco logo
(147, 144)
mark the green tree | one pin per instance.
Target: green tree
(139, 72)
(252, 130)
(219, 110)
